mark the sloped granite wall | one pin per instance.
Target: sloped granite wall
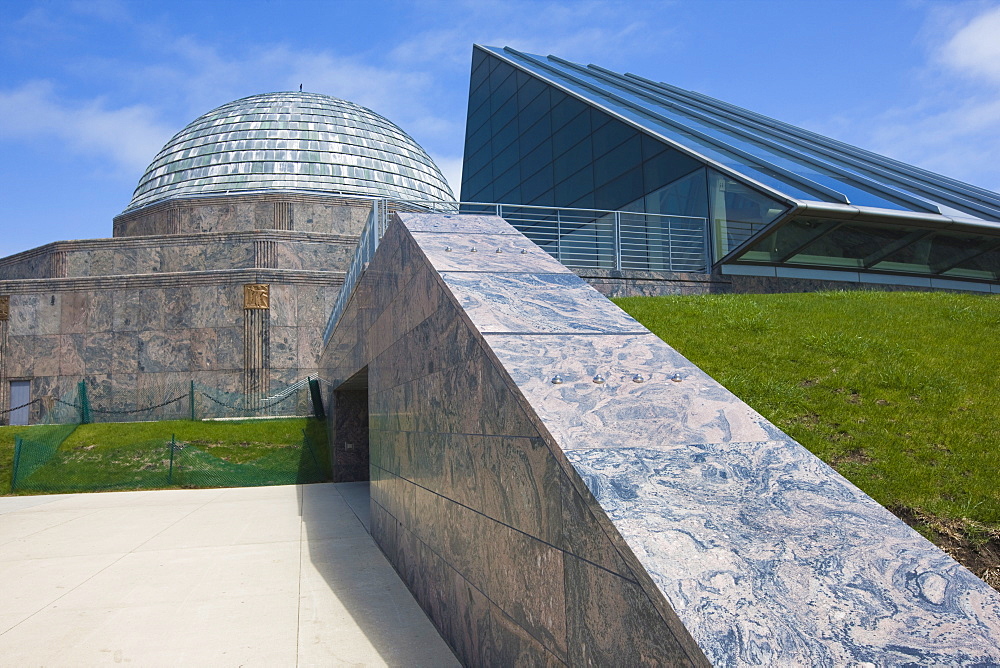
(551, 494)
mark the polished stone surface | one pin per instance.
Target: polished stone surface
(597, 519)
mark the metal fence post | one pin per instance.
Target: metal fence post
(617, 240)
(17, 459)
(84, 403)
(191, 400)
(559, 234)
(317, 398)
(170, 473)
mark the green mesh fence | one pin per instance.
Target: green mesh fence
(44, 465)
(98, 400)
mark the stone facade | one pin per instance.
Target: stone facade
(240, 213)
(552, 493)
(134, 313)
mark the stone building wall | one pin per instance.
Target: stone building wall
(133, 313)
(180, 253)
(240, 213)
(130, 334)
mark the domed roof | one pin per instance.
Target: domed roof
(291, 141)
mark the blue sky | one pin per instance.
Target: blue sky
(90, 90)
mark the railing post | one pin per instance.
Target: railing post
(617, 240)
(559, 234)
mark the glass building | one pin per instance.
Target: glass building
(772, 199)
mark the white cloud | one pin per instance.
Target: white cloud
(975, 48)
(952, 125)
(130, 136)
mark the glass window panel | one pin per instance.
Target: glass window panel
(547, 198)
(666, 167)
(622, 190)
(570, 134)
(478, 118)
(513, 195)
(565, 110)
(617, 161)
(503, 135)
(687, 196)
(537, 183)
(536, 134)
(737, 211)
(933, 253)
(479, 92)
(609, 135)
(533, 111)
(502, 117)
(787, 238)
(528, 91)
(985, 266)
(575, 187)
(540, 155)
(501, 77)
(478, 139)
(652, 147)
(570, 161)
(851, 245)
(506, 158)
(479, 59)
(507, 180)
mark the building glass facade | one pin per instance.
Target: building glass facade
(547, 132)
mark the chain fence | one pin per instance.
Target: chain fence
(94, 401)
(42, 466)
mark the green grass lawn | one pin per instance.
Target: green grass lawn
(900, 392)
(134, 455)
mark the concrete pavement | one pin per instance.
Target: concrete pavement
(275, 576)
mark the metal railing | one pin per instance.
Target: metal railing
(578, 238)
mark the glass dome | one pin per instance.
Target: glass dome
(291, 141)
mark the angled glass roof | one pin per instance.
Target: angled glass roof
(798, 165)
(291, 141)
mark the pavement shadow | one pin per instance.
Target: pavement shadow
(361, 579)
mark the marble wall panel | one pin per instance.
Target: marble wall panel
(98, 352)
(283, 347)
(100, 310)
(124, 352)
(161, 351)
(125, 310)
(72, 354)
(45, 354)
(284, 308)
(620, 410)
(34, 313)
(178, 304)
(637, 637)
(19, 358)
(126, 261)
(152, 305)
(75, 308)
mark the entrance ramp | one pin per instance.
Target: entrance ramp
(555, 484)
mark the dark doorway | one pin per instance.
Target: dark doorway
(349, 441)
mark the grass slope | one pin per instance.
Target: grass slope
(899, 392)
